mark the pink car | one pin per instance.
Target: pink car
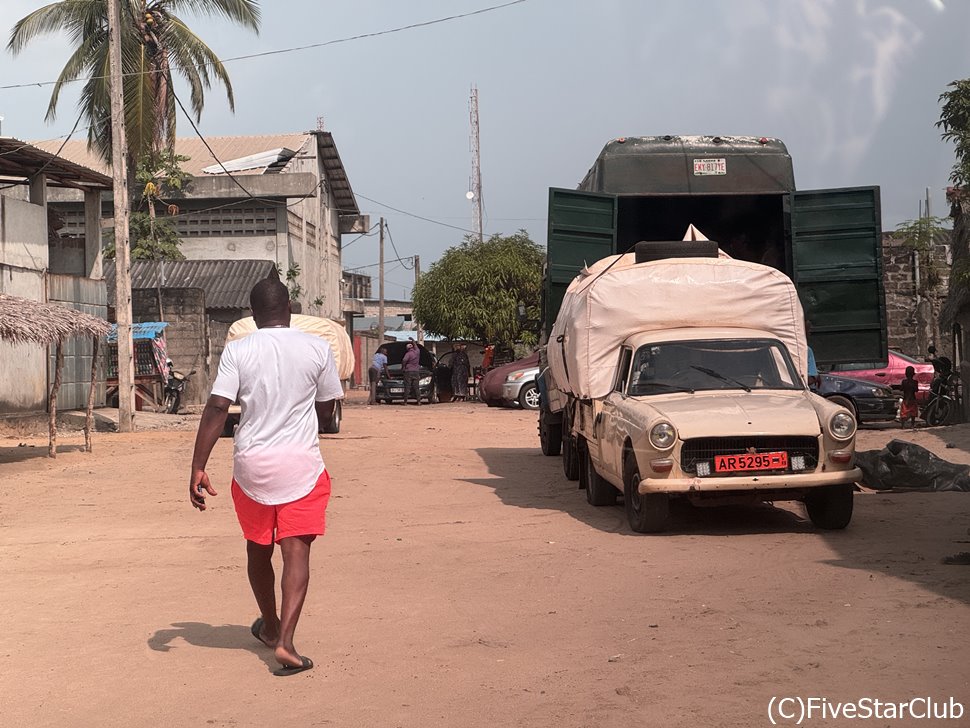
(892, 374)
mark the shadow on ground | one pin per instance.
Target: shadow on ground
(23, 453)
(525, 478)
(221, 637)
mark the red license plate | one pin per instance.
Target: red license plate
(748, 461)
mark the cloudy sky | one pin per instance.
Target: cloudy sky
(851, 86)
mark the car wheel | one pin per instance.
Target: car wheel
(598, 491)
(570, 458)
(550, 436)
(333, 426)
(830, 508)
(646, 512)
(529, 397)
(844, 402)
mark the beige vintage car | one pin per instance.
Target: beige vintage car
(714, 414)
(685, 378)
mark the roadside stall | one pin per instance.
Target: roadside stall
(151, 370)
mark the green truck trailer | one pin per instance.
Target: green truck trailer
(740, 192)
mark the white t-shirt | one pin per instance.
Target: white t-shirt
(277, 374)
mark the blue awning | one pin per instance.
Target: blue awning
(144, 330)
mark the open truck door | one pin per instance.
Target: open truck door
(582, 230)
(835, 243)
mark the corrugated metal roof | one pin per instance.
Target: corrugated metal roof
(22, 159)
(143, 330)
(226, 283)
(226, 148)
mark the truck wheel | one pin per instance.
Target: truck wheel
(529, 397)
(550, 436)
(830, 508)
(333, 426)
(598, 491)
(570, 458)
(647, 250)
(647, 512)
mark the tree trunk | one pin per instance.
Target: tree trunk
(89, 413)
(52, 400)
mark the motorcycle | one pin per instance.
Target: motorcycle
(174, 386)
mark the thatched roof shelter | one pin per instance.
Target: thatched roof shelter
(23, 321)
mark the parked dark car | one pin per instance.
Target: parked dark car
(391, 389)
(491, 390)
(892, 374)
(867, 401)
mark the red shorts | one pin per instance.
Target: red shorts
(304, 517)
(908, 410)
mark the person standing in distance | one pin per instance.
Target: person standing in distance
(412, 373)
(377, 368)
(286, 382)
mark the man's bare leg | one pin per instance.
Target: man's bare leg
(296, 578)
(262, 579)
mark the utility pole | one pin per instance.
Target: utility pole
(380, 288)
(119, 153)
(417, 276)
(476, 179)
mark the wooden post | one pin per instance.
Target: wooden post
(119, 166)
(52, 401)
(89, 413)
(380, 302)
(417, 277)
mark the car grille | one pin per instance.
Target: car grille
(703, 449)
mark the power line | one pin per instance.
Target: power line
(394, 247)
(411, 214)
(374, 265)
(292, 49)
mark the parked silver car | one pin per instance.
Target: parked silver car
(520, 387)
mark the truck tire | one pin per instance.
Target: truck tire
(647, 512)
(570, 458)
(550, 436)
(333, 427)
(599, 492)
(648, 250)
(830, 508)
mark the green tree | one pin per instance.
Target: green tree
(475, 290)
(156, 44)
(955, 123)
(159, 181)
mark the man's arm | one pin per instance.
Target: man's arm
(213, 421)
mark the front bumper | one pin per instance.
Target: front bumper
(510, 391)
(876, 410)
(782, 481)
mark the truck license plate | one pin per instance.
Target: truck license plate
(705, 167)
(747, 461)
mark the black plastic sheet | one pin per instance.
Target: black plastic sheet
(905, 465)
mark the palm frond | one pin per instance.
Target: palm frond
(244, 12)
(74, 17)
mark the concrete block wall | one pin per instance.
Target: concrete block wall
(913, 312)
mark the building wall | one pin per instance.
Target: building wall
(23, 234)
(914, 299)
(186, 336)
(23, 386)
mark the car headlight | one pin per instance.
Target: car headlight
(880, 392)
(425, 381)
(663, 435)
(842, 425)
(515, 376)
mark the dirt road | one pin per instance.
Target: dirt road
(463, 582)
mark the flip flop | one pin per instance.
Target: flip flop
(305, 664)
(257, 628)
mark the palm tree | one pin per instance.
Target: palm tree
(155, 43)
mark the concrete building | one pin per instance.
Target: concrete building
(284, 198)
(38, 264)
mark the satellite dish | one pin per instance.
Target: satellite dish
(470, 195)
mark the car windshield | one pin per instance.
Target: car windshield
(690, 366)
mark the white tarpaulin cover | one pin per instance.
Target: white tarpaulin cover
(603, 307)
(333, 332)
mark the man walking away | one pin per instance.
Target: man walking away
(377, 368)
(412, 373)
(286, 382)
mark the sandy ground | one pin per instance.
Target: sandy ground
(463, 582)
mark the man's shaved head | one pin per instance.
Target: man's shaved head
(270, 301)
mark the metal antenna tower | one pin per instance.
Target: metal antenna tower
(475, 183)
